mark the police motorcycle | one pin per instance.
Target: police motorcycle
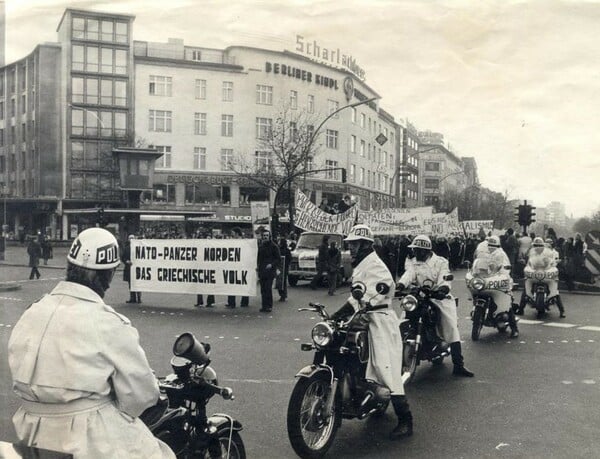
(334, 385)
(180, 419)
(490, 288)
(420, 338)
(539, 297)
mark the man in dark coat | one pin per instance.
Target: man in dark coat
(35, 252)
(333, 267)
(321, 263)
(134, 297)
(268, 265)
(286, 255)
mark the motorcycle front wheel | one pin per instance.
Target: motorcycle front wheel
(478, 315)
(410, 359)
(540, 304)
(233, 450)
(310, 433)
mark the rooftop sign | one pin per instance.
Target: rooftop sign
(330, 56)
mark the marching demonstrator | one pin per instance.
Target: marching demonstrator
(78, 367)
(428, 266)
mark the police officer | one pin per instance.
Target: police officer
(78, 367)
(499, 263)
(385, 342)
(427, 265)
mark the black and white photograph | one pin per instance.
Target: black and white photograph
(299, 229)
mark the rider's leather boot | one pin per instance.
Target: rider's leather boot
(521, 309)
(405, 419)
(561, 308)
(458, 361)
(132, 298)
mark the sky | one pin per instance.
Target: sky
(514, 84)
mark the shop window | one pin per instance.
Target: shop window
(164, 193)
(249, 194)
(201, 193)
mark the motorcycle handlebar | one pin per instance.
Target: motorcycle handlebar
(225, 392)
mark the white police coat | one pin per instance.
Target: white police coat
(493, 268)
(544, 261)
(385, 341)
(83, 379)
(434, 269)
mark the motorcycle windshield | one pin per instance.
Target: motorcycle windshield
(485, 267)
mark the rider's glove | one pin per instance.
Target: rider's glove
(344, 311)
(441, 292)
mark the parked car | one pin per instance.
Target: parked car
(304, 257)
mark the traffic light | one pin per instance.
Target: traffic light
(524, 214)
(343, 175)
(530, 214)
(520, 214)
(100, 217)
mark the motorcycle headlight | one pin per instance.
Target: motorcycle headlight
(539, 275)
(409, 303)
(477, 283)
(322, 334)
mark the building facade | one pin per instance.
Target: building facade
(409, 193)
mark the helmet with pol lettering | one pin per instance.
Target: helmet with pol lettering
(360, 232)
(421, 242)
(95, 248)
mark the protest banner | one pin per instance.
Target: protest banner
(310, 218)
(259, 213)
(395, 221)
(473, 226)
(194, 266)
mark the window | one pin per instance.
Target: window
(361, 177)
(121, 62)
(121, 35)
(1, 137)
(264, 94)
(227, 125)
(432, 183)
(331, 139)
(78, 90)
(200, 89)
(23, 104)
(23, 132)
(263, 161)
(332, 105)
(352, 144)
(78, 28)
(120, 124)
(310, 104)
(391, 160)
(78, 59)
(204, 193)
(107, 30)
(363, 117)
(77, 122)
(263, 127)
(91, 59)
(353, 115)
(120, 93)
(91, 123)
(164, 193)
(432, 167)
(293, 99)
(165, 160)
(200, 158)
(353, 173)
(159, 121)
(2, 110)
(226, 159)
(13, 107)
(228, 91)
(106, 124)
(200, 123)
(160, 85)
(106, 55)
(249, 194)
(362, 148)
(293, 131)
(331, 174)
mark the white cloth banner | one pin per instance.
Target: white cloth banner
(472, 226)
(395, 221)
(310, 218)
(207, 266)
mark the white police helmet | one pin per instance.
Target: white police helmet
(94, 248)
(360, 232)
(493, 241)
(421, 242)
(538, 242)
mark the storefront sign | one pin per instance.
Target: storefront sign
(194, 266)
(209, 179)
(315, 50)
(301, 74)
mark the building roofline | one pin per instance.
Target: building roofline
(187, 63)
(448, 152)
(27, 56)
(93, 13)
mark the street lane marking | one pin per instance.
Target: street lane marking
(530, 322)
(567, 382)
(10, 298)
(589, 327)
(559, 325)
(588, 381)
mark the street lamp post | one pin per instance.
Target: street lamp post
(327, 118)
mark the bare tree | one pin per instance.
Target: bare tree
(285, 153)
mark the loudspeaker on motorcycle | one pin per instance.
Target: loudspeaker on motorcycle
(188, 347)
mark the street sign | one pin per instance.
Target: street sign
(381, 139)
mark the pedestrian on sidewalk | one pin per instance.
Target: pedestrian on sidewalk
(210, 301)
(134, 297)
(34, 250)
(286, 259)
(46, 249)
(236, 233)
(268, 264)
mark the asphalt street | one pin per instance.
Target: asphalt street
(532, 397)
